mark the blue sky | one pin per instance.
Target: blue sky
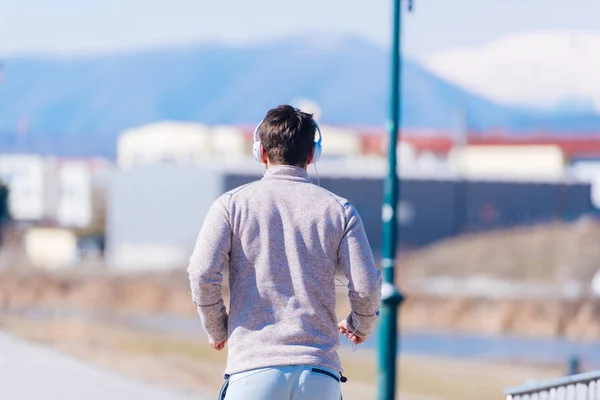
(33, 26)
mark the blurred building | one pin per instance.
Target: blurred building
(156, 212)
(163, 142)
(180, 143)
(587, 169)
(229, 142)
(50, 248)
(491, 155)
(55, 191)
(513, 162)
(75, 205)
(340, 142)
(449, 186)
(26, 177)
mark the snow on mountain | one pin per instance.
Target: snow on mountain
(554, 69)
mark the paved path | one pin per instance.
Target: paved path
(33, 372)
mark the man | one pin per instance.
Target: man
(282, 240)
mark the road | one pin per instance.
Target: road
(32, 372)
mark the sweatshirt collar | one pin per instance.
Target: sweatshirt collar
(287, 172)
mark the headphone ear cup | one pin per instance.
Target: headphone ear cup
(256, 148)
(317, 152)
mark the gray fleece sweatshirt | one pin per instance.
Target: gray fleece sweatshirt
(282, 239)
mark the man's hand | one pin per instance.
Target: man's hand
(217, 345)
(343, 328)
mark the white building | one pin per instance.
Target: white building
(50, 248)
(589, 171)
(26, 177)
(163, 142)
(586, 170)
(75, 204)
(340, 142)
(53, 190)
(513, 162)
(155, 213)
(229, 142)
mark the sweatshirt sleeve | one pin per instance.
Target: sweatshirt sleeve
(207, 262)
(364, 279)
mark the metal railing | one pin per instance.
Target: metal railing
(575, 387)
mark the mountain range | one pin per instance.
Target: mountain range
(78, 105)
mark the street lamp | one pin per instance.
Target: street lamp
(390, 296)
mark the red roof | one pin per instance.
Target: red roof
(375, 140)
(573, 147)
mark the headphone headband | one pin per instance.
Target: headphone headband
(257, 130)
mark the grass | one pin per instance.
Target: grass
(418, 377)
(190, 364)
(170, 346)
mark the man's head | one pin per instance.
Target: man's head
(287, 136)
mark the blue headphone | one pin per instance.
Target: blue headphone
(257, 146)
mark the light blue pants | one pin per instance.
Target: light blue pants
(298, 382)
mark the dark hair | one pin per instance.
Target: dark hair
(287, 135)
